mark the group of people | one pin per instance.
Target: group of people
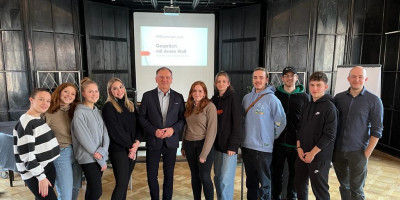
(310, 134)
(59, 137)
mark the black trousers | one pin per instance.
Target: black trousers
(33, 183)
(152, 162)
(318, 173)
(93, 176)
(279, 156)
(122, 167)
(200, 172)
(257, 166)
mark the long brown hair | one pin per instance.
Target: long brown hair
(111, 98)
(190, 108)
(55, 99)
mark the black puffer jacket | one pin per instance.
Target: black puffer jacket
(230, 119)
(318, 126)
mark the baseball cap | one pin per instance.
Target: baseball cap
(289, 69)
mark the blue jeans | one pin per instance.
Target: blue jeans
(351, 171)
(257, 166)
(69, 175)
(224, 170)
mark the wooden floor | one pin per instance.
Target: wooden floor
(383, 182)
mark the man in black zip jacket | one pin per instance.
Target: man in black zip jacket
(292, 97)
(315, 140)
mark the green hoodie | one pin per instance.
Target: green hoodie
(299, 89)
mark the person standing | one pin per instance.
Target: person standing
(120, 118)
(64, 100)
(162, 118)
(228, 136)
(292, 97)
(315, 140)
(265, 119)
(36, 147)
(360, 127)
(90, 139)
(198, 139)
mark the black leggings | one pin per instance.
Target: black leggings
(122, 167)
(93, 176)
(33, 183)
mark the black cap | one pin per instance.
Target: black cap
(289, 69)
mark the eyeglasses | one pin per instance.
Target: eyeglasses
(289, 76)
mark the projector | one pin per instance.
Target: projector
(171, 10)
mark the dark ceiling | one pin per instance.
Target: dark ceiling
(185, 5)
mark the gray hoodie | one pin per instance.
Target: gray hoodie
(89, 135)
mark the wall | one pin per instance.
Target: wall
(35, 35)
(240, 44)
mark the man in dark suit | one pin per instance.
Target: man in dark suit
(161, 115)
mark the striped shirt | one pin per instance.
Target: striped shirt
(34, 146)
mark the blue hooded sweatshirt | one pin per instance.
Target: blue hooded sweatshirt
(264, 122)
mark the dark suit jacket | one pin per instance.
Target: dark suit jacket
(151, 119)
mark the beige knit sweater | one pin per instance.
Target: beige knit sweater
(60, 123)
(202, 126)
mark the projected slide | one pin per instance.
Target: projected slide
(173, 46)
(184, 43)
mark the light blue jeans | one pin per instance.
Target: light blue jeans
(69, 175)
(224, 170)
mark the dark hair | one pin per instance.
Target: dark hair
(262, 69)
(319, 76)
(37, 90)
(55, 99)
(190, 108)
(222, 73)
(163, 68)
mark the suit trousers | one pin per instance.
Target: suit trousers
(152, 163)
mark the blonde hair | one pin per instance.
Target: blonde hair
(111, 98)
(85, 82)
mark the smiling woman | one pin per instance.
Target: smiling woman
(36, 162)
(59, 116)
(120, 118)
(90, 139)
(198, 139)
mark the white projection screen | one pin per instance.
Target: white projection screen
(373, 84)
(183, 43)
